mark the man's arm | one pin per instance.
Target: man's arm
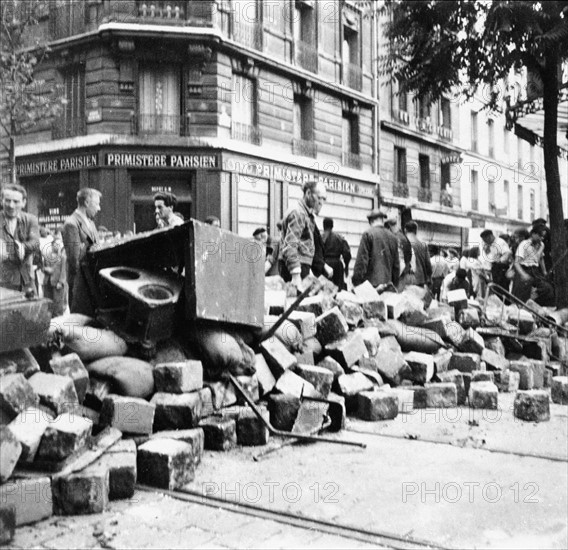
(346, 254)
(72, 244)
(31, 244)
(362, 261)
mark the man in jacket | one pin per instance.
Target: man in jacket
(302, 245)
(54, 263)
(336, 248)
(79, 233)
(423, 269)
(19, 240)
(377, 258)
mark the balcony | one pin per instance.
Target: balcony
(307, 56)
(446, 199)
(425, 125)
(353, 160)
(246, 132)
(68, 127)
(353, 76)
(445, 133)
(247, 34)
(400, 190)
(424, 194)
(165, 11)
(401, 116)
(173, 125)
(304, 147)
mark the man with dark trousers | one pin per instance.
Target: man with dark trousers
(377, 258)
(336, 248)
(423, 268)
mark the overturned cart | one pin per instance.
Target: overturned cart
(203, 288)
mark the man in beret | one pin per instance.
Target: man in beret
(377, 258)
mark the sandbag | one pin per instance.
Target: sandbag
(64, 325)
(128, 376)
(416, 338)
(91, 343)
(222, 351)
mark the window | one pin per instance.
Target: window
(520, 202)
(72, 121)
(159, 99)
(424, 108)
(507, 193)
(244, 112)
(445, 176)
(506, 138)
(491, 198)
(353, 76)
(520, 152)
(402, 99)
(446, 113)
(424, 162)
(400, 165)
(474, 190)
(474, 131)
(302, 142)
(491, 138)
(305, 34)
(247, 27)
(350, 131)
(532, 204)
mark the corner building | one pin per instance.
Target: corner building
(231, 105)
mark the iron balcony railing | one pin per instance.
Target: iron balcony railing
(68, 127)
(304, 147)
(247, 34)
(400, 190)
(307, 56)
(353, 160)
(246, 132)
(168, 11)
(353, 76)
(424, 194)
(174, 125)
(445, 133)
(446, 199)
(424, 125)
(401, 116)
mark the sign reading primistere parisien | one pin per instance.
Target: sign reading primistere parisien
(29, 168)
(147, 160)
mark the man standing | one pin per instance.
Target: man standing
(19, 240)
(335, 248)
(164, 205)
(377, 258)
(440, 269)
(496, 251)
(79, 233)
(302, 246)
(407, 262)
(423, 269)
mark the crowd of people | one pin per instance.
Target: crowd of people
(389, 257)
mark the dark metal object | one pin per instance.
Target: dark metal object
(274, 431)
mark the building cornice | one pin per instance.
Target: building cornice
(420, 136)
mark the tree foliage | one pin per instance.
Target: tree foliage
(24, 98)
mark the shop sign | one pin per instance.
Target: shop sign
(57, 165)
(454, 158)
(296, 175)
(150, 160)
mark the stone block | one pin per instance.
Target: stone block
(421, 366)
(468, 317)
(495, 344)
(526, 372)
(494, 360)
(72, 366)
(337, 412)
(251, 431)
(179, 377)
(283, 410)
(352, 312)
(306, 323)
(366, 294)
(377, 405)
(507, 381)
(313, 304)
(482, 376)
(279, 359)
(10, 452)
(457, 298)
(389, 343)
(538, 374)
(455, 377)
(220, 433)
(532, 406)
(547, 378)
(128, 414)
(331, 326)
(536, 349)
(19, 361)
(84, 492)
(348, 350)
(559, 390)
(275, 301)
(176, 410)
(320, 377)
(395, 304)
(483, 395)
(352, 384)
(419, 396)
(194, 436)
(371, 338)
(266, 380)
(65, 435)
(16, 394)
(332, 366)
(405, 399)
(312, 345)
(96, 392)
(165, 463)
(31, 497)
(442, 395)
(56, 392)
(28, 428)
(306, 358)
(206, 398)
(369, 370)
(465, 362)
(293, 384)
(442, 360)
(439, 325)
(472, 342)
(223, 394)
(251, 386)
(555, 367)
(7, 522)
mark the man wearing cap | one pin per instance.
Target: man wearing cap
(377, 258)
(302, 247)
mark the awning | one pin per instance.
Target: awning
(439, 218)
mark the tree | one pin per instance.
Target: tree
(437, 47)
(24, 98)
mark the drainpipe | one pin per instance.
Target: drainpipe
(376, 122)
